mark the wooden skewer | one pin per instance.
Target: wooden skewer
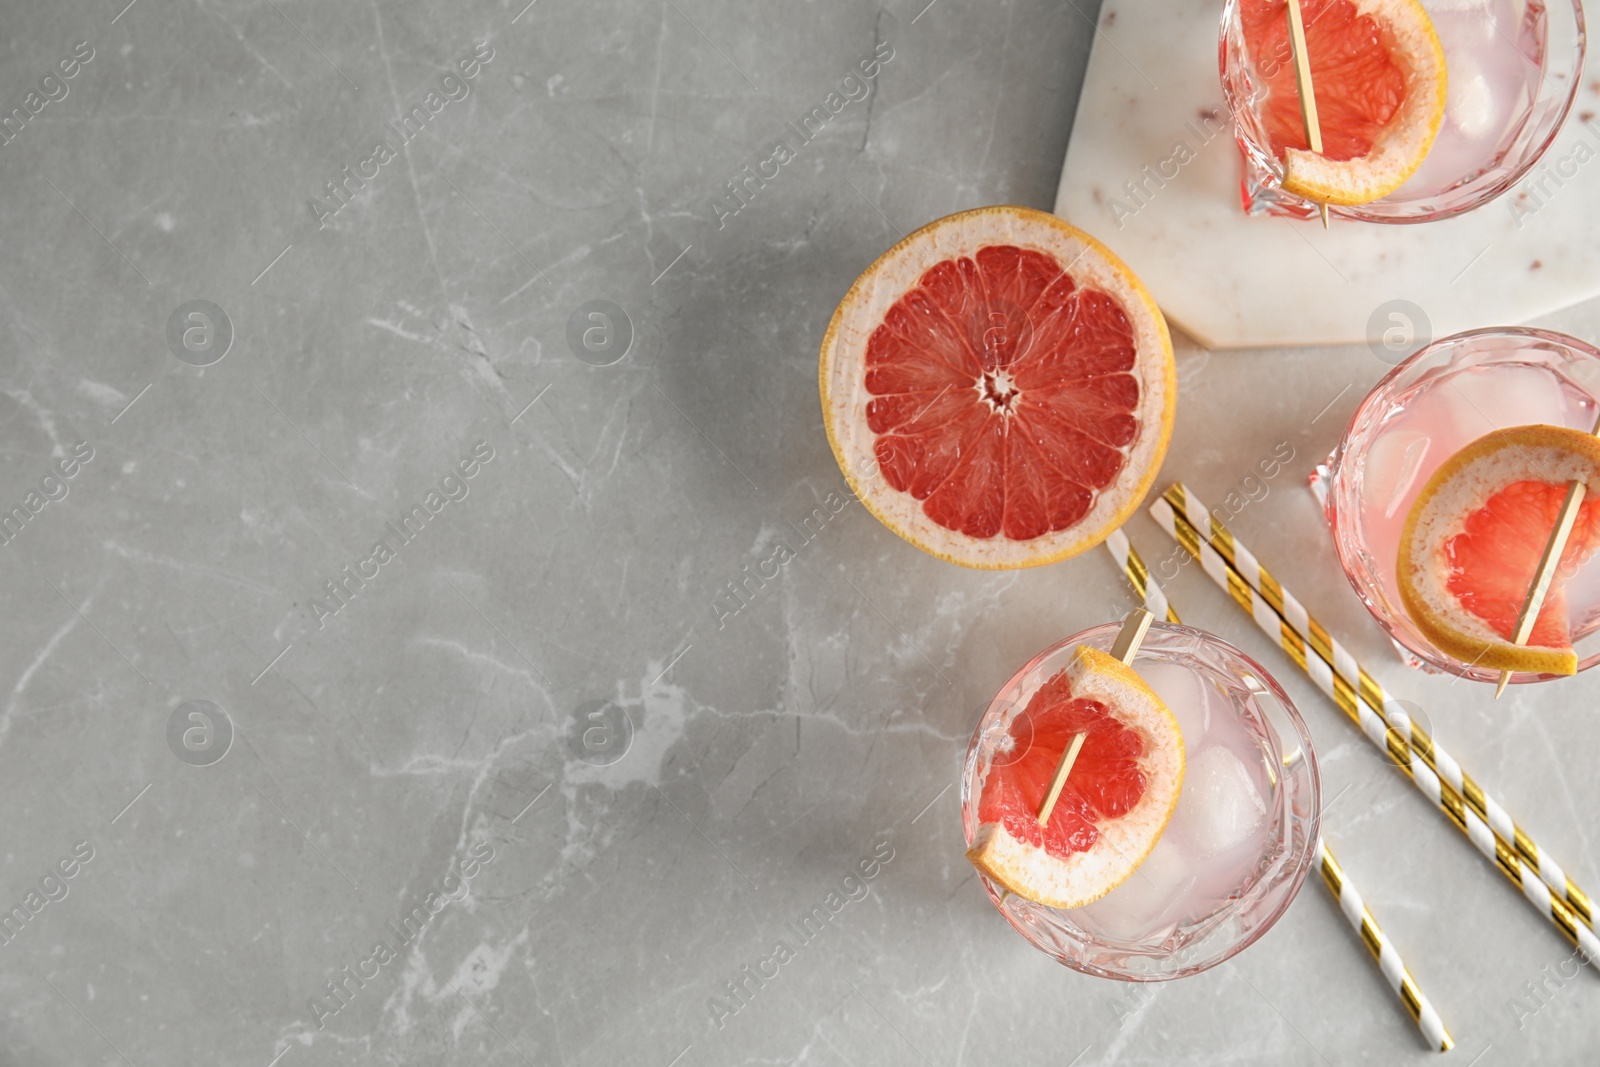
(1546, 572)
(1064, 768)
(1576, 491)
(1308, 95)
(1134, 627)
(1131, 636)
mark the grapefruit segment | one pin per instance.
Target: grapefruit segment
(1118, 799)
(1472, 543)
(1378, 71)
(999, 389)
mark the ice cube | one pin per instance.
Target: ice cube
(1470, 105)
(1393, 462)
(1135, 909)
(1183, 691)
(1486, 399)
(1459, 22)
(1221, 805)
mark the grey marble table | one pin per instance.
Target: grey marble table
(427, 374)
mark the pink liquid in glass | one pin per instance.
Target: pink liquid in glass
(1493, 53)
(1431, 421)
(1220, 831)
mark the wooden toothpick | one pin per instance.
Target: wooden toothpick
(1308, 95)
(1134, 627)
(1546, 572)
(1064, 768)
(1131, 636)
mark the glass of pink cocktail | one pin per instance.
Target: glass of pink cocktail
(1239, 843)
(1443, 398)
(1513, 69)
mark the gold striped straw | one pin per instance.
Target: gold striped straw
(1444, 795)
(1383, 951)
(1345, 895)
(1355, 677)
(1129, 563)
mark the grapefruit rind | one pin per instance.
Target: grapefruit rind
(1028, 870)
(1465, 481)
(1403, 144)
(844, 395)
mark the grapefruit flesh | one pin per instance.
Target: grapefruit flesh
(1105, 782)
(1359, 86)
(994, 432)
(1472, 543)
(1116, 802)
(1378, 72)
(1494, 559)
(999, 389)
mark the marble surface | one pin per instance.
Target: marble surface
(530, 746)
(1153, 170)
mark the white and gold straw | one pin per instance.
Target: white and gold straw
(1440, 792)
(1361, 683)
(1345, 895)
(1129, 563)
(1383, 951)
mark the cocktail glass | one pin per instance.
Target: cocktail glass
(1432, 405)
(1239, 844)
(1513, 68)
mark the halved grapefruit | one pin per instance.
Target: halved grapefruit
(1119, 797)
(999, 389)
(1378, 72)
(1473, 540)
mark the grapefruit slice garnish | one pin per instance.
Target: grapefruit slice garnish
(1473, 540)
(999, 389)
(1378, 71)
(1119, 797)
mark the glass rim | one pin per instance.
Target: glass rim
(1438, 344)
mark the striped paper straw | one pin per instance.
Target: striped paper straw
(1445, 796)
(1138, 575)
(1355, 677)
(1383, 951)
(1345, 895)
